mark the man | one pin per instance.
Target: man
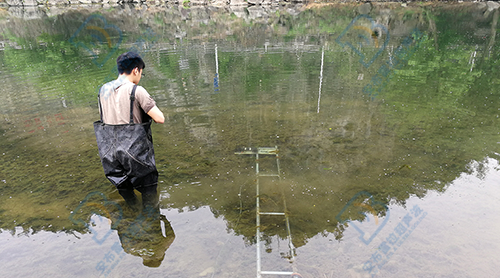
(124, 133)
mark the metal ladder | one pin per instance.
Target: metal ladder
(291, 256)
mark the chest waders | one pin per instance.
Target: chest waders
(126, 152)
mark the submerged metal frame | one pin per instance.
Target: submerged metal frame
(269, 151)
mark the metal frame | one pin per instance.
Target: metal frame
(269, 151)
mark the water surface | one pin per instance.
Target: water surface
(386, 125)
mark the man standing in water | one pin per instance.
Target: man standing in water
(124, 133)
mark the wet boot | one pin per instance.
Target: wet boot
(150, 206)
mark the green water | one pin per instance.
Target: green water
(425, 135)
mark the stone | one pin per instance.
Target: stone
(492, 5)
(270, 2)
(14, 2)
(239, 11)
(198, 2)
(254, 2)
(28, 12)
(365, 8)
(29, 3)
(238, 3)
(256, 12)
(218, 3)
(58, 2)
(481, 6)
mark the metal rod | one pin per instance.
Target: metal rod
(285, 209)
(216, 61)
(321, 75)
(257, 221)
(257, 163)
(268, 151)
(269, 175)
(216, 79)
(277, 272)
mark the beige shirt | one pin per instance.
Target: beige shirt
(115, 102)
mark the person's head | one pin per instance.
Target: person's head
(128, 61)
(130, 64)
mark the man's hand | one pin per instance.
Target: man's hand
(156, 115)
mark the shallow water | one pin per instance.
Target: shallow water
(388, 141)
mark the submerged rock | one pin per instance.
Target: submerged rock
(365, 8)
(207, 271)
(492, 5)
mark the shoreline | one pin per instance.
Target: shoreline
(224, 3)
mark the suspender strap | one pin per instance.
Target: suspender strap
(132, 98)
(99, 100)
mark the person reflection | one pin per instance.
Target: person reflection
(147, 233)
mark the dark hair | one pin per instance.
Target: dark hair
(129, 61)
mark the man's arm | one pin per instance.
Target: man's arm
(157, 115)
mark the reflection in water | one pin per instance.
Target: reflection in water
(147, 235)
(269, 211)
(142, 230)
(365, 205)
(434, 120)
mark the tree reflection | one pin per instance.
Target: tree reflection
(437, 114)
